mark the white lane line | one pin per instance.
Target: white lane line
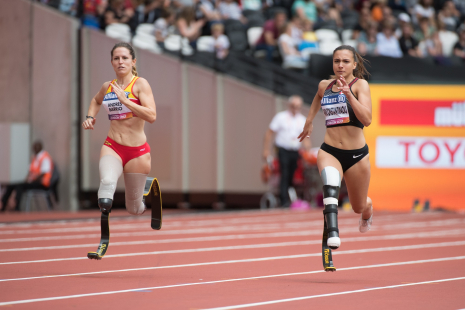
(200, 264)
(456, 232)
(218, 222)
(169, 224)
(332, 294)
(290, 225)
(24, 301)
(302, 223)
(250, 246)
(233, 214)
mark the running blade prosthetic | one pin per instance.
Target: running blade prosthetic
(104, 239)
(326, 252)
(152, 198)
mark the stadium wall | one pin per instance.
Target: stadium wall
(39, 86)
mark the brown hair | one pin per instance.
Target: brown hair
(131, 51)
(360, 71)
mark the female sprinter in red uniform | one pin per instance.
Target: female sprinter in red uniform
(346, 103)
(129, 102)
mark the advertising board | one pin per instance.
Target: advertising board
(417, 146)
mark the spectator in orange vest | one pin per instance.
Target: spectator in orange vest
(40, 173)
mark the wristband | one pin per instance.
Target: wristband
(87, 117)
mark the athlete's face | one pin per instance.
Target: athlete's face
(122, 61)
(343, 63)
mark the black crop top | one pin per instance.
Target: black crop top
(337, 109)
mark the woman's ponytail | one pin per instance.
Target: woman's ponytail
(134, 70)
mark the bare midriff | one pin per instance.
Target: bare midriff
(345, 137)
(128, 132)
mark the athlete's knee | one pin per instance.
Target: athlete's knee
(134, 191)
(105, 204)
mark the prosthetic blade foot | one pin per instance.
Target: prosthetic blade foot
(152, 196)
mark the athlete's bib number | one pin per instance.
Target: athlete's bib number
(115, 109)
(335, 109)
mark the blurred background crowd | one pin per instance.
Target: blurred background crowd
(283, 31)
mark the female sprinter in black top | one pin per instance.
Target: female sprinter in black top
(346, 102)
(129, 103)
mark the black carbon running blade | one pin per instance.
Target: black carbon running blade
(104, 239)
(156, 206)
(326, 251)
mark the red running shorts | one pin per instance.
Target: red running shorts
(127, 152)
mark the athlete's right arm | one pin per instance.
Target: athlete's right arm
(94, 107)
(314, 108)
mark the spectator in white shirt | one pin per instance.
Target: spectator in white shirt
(286, 127)
(229, 9)
(162, 26)
(221, 42)
(423, 9)
(292, 58)
(387, 43)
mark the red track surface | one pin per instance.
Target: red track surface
(251, 259)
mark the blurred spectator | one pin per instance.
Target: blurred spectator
(309, 42)
(408, 44)
(39, 176)
(118, 12)
(285, 127)
(459, 47)
(269, 37)
(305, 9)
(68, 7)
(296, 25)
(377, 10)
(363, 22)
(367, 41)
(449, 15)
(424, 9)
(388, 45)
(208, 11)
(254, 5)
(426, 29)
(187, 26)
(460, 5)
(330, 14)
(433, 48)
(399, 5)
(93, 11)
(221, 42)
(292, 58)
(229, 9)
(179, 4)
(162, 26)
(403, 19)
(150, 10)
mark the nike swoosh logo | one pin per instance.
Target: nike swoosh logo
(358, 155)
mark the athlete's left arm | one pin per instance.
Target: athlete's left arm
(147, 110)
(362, 104)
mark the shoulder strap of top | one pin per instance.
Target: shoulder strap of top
(130, 85)
(330, 86)
(353, 82)
(109, 89)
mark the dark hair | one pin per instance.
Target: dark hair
(131, 51)
(360, 71)
(167, 12)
